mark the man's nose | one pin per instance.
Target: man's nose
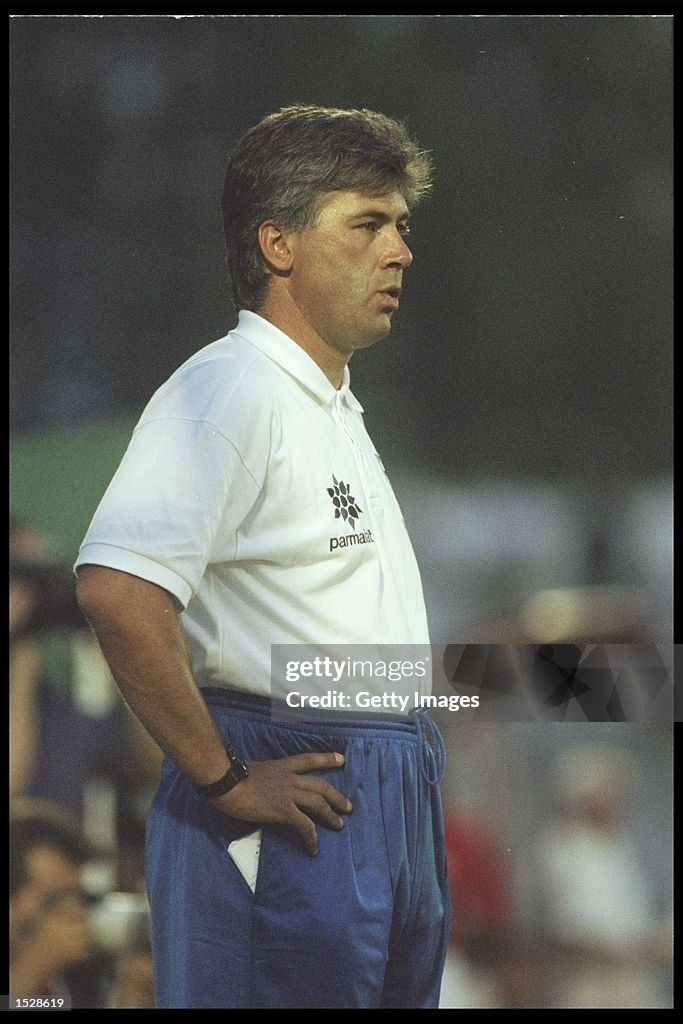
(397, 253)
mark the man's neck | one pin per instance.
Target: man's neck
(280, 311)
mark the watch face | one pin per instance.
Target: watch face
(239, 770)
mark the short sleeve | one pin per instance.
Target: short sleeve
(175, 504)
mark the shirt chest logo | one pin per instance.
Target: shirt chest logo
(345, 505)
(347, 508)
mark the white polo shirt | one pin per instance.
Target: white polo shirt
(252, 492)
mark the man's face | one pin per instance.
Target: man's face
(53, 882)
(347, 269)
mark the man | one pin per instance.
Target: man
(55, 948)
(252, 500)
(49, 927)
(609, 946)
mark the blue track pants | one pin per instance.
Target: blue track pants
(362, 924)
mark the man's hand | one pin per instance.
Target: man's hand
(282, 793)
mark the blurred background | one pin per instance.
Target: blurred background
(522, 407)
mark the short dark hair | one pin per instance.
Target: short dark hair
(35, 823)
(285, 165)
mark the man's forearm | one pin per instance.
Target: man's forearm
(137, 626)
(140, 635)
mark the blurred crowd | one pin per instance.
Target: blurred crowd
(587, 928)
(67, 936)
(82, 773)
(597, 936)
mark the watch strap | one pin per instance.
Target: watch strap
(235, 773)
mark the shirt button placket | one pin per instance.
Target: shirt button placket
(356, 451)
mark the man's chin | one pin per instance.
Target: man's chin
(381, 330)
(366, 338)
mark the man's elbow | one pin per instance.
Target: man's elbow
(92, 584)
(99, 590)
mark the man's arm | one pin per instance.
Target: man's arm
(137, 625)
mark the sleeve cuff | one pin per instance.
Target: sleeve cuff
(113, 557)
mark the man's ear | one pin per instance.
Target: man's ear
(276, 247)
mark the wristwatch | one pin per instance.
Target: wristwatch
(235, 773)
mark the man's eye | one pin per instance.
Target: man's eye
(404, 229)
(370, 225)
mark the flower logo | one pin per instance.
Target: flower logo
(345, 505)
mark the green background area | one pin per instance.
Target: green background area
(58, 476)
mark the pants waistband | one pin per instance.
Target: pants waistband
(416, 726)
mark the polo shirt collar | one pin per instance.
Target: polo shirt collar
(279, 347)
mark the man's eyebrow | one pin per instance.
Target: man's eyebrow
(379, 215)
